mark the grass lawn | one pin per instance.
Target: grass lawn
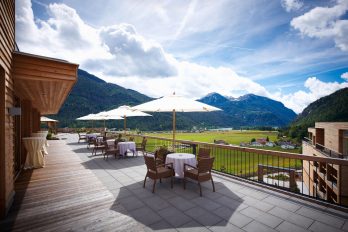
(231, 161)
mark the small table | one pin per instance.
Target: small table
(178, 160)
(42, 135)
(123, 147)
(35, 158)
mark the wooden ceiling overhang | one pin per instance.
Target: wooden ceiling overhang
(44, 81)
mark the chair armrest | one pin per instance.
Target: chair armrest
(189, 166)
(169, 164)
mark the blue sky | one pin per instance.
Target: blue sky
(293, 51)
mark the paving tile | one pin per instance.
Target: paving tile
(181, 203)
(203, 216)
(321, 216)
(345, 226)
(231, 203)
(254, 193)
(233, 217)
(282, 203)
(206, 203)
(174, 217)
(261, 205)
(131, 203)
(156, 203)
(192, 226)
(225, 226)
(160, 226)
(289, 227)
(255, 226)
(294, 218)
(145, 216)
(321, 227)
(262, 217)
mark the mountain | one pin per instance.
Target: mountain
(331, 108)
(252, 110)
(92, 95)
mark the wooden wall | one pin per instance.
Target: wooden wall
(7, 46)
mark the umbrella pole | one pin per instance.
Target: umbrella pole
(125, 123)
(174, 121)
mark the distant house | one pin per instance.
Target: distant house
(270, 144)
(220, 141)
(256, 144)
(287, 146)
(262, 141)
(244, 144)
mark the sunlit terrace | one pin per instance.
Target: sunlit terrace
(79, 191)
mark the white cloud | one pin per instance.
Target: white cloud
(325, 22)
(121, 55)
(316, 89)
(345, 76)
(291, 5)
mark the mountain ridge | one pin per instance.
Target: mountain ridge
(92, 95)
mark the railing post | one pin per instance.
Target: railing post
(194, 149)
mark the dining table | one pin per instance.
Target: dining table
(35, 157)
(178, 160)
(124, 147)
(42, 135)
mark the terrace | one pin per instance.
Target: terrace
(78, 191)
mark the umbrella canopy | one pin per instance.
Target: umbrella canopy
(45, 119)
(174, 103)
(99, 116)
(125, 111)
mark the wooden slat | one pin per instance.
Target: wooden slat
(63, 195)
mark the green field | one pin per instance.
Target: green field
(234, 137)
(229, 160)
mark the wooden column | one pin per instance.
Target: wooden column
(35, 120)
(26, 126)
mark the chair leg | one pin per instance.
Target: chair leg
(184, 181)
(212, 182)
(200, 188)
(144, 181)
(154, 184)
(160, 180)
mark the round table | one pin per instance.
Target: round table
(34, 146)
(178, 160)
(123, 147)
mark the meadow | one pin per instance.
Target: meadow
(229, 160)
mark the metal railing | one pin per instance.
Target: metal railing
(312, 176)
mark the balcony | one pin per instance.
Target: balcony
(80, 192)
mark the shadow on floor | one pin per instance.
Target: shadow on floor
(177, 208)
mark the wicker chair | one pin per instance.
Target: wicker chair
(98, 145)
(161, 155)
(156, 172)
(142, 146)
(90, 141)
(110, 149)
(200, 173)
(203, 153)
(81, 137)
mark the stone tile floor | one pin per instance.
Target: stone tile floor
(235, 206)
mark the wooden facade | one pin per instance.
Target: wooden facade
(37, 85)
(322, 179)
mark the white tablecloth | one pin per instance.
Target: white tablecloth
(123, 147)
(178, 160)
(35, 158)
(42, 135)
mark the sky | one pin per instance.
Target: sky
(293, 51)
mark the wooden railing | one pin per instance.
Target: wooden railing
(313, 176)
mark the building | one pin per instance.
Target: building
(324, 180)
(31, 86)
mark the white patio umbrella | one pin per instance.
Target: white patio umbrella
(45, 119)
(125, 111)
(99, 116)
(174, 103)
